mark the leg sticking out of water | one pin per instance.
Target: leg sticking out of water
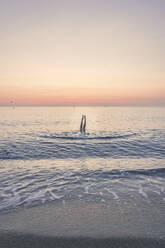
(84, 127)
(83, 124)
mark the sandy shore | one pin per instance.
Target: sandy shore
(131, 223)
(16, 240)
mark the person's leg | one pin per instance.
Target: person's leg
(84, 126)
(81, 125)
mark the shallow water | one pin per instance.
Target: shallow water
(44, 158)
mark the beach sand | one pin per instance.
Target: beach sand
(29, 241)
(132, 223)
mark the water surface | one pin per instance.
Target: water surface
(44, 158)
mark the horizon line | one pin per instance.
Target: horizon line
(82, 105)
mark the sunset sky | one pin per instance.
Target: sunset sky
(64, 52)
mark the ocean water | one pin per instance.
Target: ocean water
(44, 158)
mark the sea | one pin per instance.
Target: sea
(45, 159)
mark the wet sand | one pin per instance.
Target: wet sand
(16, 240)
(125, 223)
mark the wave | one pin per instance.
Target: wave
(45, 185)
(86, 136)
(144, 172)
(75, 145)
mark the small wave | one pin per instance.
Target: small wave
(64, 145)
(86, 137)
(81, 148)
(92, 185)
(159, 172)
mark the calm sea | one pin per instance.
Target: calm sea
(44, 158)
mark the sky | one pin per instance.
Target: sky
(82, 52)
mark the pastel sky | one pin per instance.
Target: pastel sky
(82, 52)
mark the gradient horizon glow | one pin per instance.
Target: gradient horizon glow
(82, 52)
